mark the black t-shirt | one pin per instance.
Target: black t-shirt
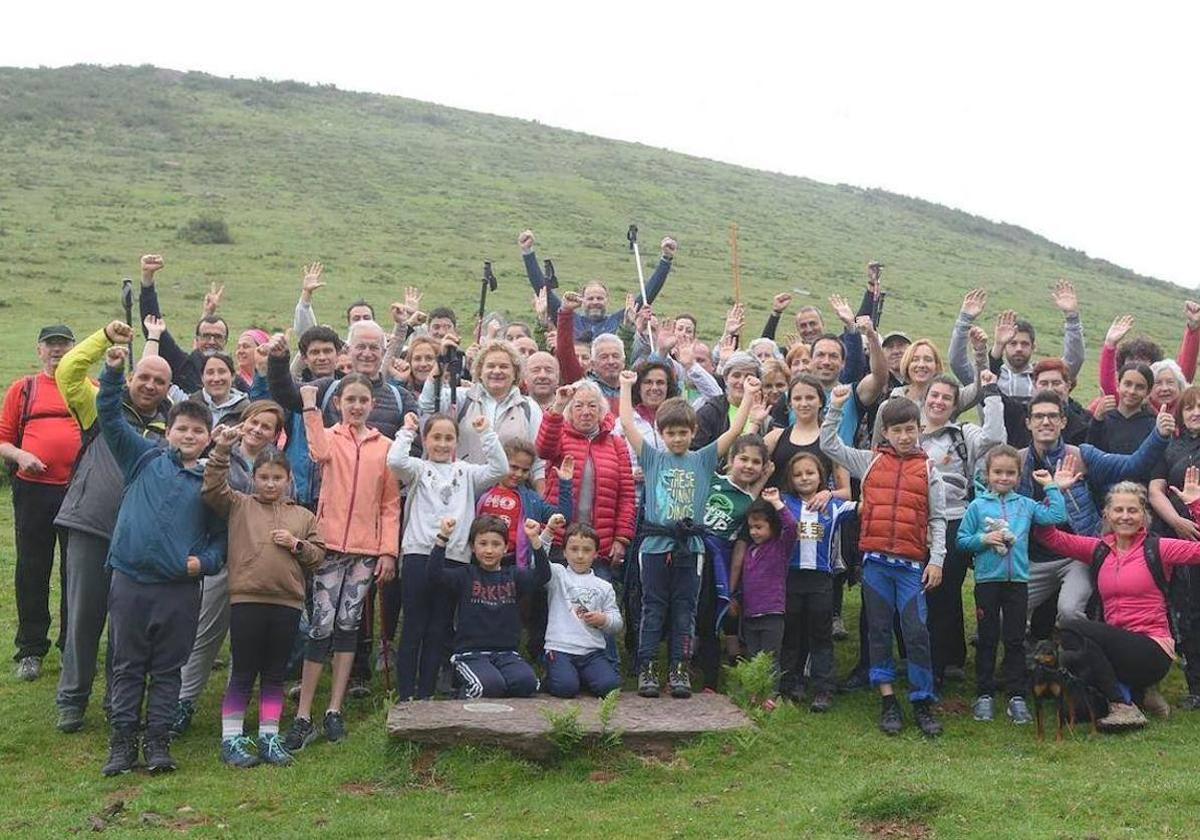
(1182, 452)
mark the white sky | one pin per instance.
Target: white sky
(1076, 120)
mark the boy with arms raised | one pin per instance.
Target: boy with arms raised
(903, 540)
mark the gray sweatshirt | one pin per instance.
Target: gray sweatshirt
(1014, 383)
(859, 462)
(568, 592)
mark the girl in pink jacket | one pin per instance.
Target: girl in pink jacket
(358, 518)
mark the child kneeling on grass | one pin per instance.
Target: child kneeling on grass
(583, 611)
(996, 531)
(486, 662)
(273, 542)
(903, 541)
(165, 539)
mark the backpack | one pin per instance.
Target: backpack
(333, 386)
(1175, 592)
(28, 392)
(963, 452)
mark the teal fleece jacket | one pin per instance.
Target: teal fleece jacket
(1021, 513)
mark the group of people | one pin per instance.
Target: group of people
(501, 509)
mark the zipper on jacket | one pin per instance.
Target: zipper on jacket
(353, 489)
(1008, 555)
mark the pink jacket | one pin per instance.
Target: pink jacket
(1132, 601)
(359, 508)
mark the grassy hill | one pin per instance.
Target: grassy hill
(100, 165)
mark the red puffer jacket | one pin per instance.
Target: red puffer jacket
(613, 513)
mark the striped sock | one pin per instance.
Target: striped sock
(270, 709)
(233, 712)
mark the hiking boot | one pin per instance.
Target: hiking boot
(70, 719)
(293, 692)
(272, 751)
(122, 753)
(1018, 710)
(891, 719)
(680, 681)
(926, 722)
(822, 702)
(1122, 716)
(1155, 704)
(184, 713)
(839, 629)
(984, 708)
(856, 680)
(1190, 702)
(157, 752)
(300, 735)
(29, 668)
(235, 752)
(647, 681)
(334, 726)
(360, 688)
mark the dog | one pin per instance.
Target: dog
(1051, 681)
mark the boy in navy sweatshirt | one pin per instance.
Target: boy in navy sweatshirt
(486, 662)
(165, 539)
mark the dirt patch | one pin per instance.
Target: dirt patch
(602, 777)
(361, 788)
(424, 771)
(896, 830)
(953, 707)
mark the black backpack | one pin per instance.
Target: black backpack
(1176, 592)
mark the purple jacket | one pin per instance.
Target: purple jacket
(765, 568)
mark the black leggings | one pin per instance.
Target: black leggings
(260, 641)
(1102, 656)
(947, 633)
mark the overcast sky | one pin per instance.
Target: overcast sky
(1072, 119)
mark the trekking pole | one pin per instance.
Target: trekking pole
(487, 283)
(385, 643)
(548, 273)
(737, 274)
(631, 235)
(127, 302)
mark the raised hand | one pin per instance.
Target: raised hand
(571, 301)
(863, 325)
(479, 424)
(665, 337)
(541, 305)
(987, 378)
(533, 531)
(400, 313)
(973, 304)
(839, 395)
(557, 522)
(1191, 311)
(261, 354)
(751, 386)
(781, 302)
(151, 264)
(770, 495)
(1121, 326)
(446, 528)
(118, 332)
(735, 320)
(308, 396)
(412, 297)
(979, 338)
(115, 356)
(1006, 328)
(1165, 422)
(416, 318)
(564, 394)
(525, 240)
(566, 467)
(628, 378)
(311, 280)
(1191, 486)
(1065, 298)
(1068, 471)
(411, 423)
(1043, 477)
(279, 346)
(226, 436)
(669, 246)
(1105, 404)
(841, 308)
(212, 298)
(685, 352)
(644, 320)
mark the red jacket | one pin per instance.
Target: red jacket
(894, 513)
(613, 510)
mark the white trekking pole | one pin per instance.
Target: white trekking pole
(637, 261)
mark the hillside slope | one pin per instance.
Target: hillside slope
(99, 165)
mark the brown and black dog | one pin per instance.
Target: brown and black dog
(1053, 682)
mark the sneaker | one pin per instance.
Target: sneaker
(360, 688)
(272, 751)
(1190, 702)
(184, 713)
(822, 702)
(1155, 704)
(680, 682)
(293, 692)
(70, 719)
(647, 681)
(926, 722)
(235, 752)
(839, 629)
(1018, 711)
(891, 719)
(29, 668)
(984, 710)
(300, 735)
(856, 680)
(157, 752)
(122, 753)
(334, 726)
(1122, 716)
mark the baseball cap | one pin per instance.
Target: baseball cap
(56, 331)
(893, 335)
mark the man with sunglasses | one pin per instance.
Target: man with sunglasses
(212, 332)
(89, 511)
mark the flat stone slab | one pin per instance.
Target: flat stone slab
(520, 725)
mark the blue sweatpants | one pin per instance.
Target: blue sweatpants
(488, 673)
(889, 589)
(566, 673)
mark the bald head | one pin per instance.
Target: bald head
(541, 376)
(150, 383)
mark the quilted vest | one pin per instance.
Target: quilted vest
(895, 506)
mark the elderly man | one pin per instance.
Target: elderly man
(211, 331)
(40, 438)
(89, 511)
(541, 378)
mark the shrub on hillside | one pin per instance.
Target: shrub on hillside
(206, 230)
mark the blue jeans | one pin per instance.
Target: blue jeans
(668, 588)
(567, 672)
(605, 572)
(888, 589)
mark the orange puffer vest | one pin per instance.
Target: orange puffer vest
(895, 506)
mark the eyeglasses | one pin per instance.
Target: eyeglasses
(1039, 417)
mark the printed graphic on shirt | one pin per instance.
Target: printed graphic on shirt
(676, 494)
(493, 594)
(583, 599)
(725, 509)
(445, 489)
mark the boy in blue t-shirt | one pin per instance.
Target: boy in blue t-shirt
(671, 558)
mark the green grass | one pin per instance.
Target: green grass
(100, 165)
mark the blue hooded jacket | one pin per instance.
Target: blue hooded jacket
(162, 520)
(1021, 513)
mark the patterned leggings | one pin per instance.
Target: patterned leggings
(340, 588)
